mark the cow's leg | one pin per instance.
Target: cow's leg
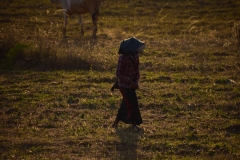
(65, 24)
(95, 19)
(81, 25)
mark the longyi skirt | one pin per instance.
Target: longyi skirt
(129, 112)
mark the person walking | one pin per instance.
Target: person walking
(128, 76)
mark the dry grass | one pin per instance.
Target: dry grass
(55, 99)
(47, 52)
(236, 33)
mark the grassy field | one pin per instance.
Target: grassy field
(55, 98)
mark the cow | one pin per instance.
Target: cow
(80, 7)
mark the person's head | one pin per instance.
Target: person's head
(141, 49)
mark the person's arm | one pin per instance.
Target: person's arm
(134, 84)
(120, 69)
(137, 70)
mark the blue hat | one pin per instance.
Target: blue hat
(131, 46)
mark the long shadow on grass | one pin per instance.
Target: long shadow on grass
(127, 148)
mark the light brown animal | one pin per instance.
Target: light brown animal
(80, 7)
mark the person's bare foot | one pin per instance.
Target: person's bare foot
(135, 127)
(115, 124)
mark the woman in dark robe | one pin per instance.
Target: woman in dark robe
(128, 76)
